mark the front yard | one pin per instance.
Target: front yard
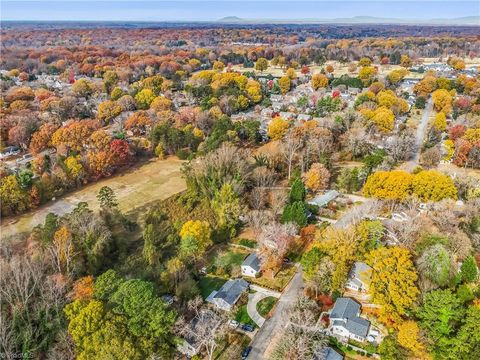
(278, 283)
(264, 306)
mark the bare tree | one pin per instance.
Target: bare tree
(258, 198)
(263, 177)
(302, 338)
(205, 329)
(290, 146)
(257, 219)
(278, 198)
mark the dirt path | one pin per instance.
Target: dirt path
(155, 180)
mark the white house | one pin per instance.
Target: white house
(227, 296)
(251, 265)
(359, 277)
(345, 320)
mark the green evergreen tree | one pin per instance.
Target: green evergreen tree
(295, 213)
(297, 191)
(469, 269)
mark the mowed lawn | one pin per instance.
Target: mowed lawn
(138, 186)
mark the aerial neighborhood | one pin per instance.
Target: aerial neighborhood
(239, 191)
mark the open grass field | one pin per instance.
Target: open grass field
(149, 182)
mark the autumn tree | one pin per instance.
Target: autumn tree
(394, 185)
(110, 79)
(431, 185)
(277, 128)
(261, 64)
(108, 110)
(319, 80)
(442, 101)
(41, 139)
(14, 198)
(144, 98)
(138, 122)
(409, 337)
(317, 178)
(227, 206)
(392, 282)
(83, 88)
(284, 84)
(196, 234)
(383, 118)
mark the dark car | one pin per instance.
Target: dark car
(245, 352)
(247, 327)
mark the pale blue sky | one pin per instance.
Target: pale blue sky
(213, 10)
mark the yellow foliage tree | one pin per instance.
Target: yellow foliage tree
(319, 81)
(442, 100)
(366, 74)
(161, 103)
(384, 119)
(200, 231)
(440, 121)
(317, 177)
(392, 283)
(291, 73)
(431, 185)
(74, 166)
(408, 337)
(218, 65)
(393, 185)
(341, 245)
(405, 61)
(284, 84)
(277, 128)
(472, 135)
(365, 62)
(108, 110)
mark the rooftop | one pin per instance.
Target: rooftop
(253, 261)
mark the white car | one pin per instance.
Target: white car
(233, 324)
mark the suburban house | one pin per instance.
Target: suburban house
(359, 277)
(345, 320)
(251, 265)
(323, 200)
(327, 353)
(193, 334)
(227, 296)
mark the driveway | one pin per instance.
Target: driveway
(253, 300)
(421, 130)
(279, 319)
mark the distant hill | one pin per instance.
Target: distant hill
(468, 20)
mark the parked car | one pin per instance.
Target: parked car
(245, 352)
(247, 327)
(9, 151)
(233, 324)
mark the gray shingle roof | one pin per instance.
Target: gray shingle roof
(358, 326)
(253, 261)
(347, 310)
(324, 199)
(327, 353)
(231, 290)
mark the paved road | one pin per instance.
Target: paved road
(422, 127)
(277, 322)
